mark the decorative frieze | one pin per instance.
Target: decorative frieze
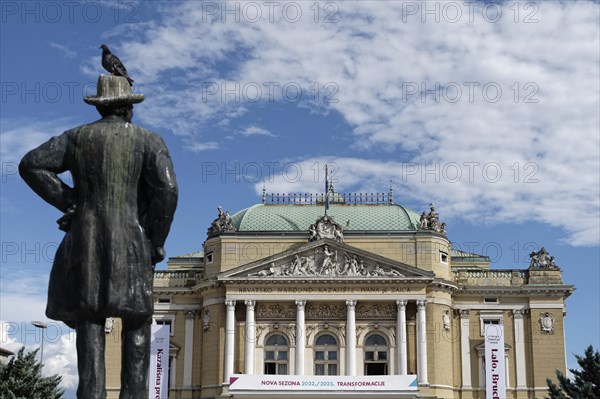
(376, 311)
(323, 311)
(275, 311)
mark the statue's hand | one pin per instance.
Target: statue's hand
(158, 254)
(64, 223)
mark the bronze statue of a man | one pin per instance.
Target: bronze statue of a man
(116, 217)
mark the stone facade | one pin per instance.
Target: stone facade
(428, 303)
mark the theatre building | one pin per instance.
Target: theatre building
(363, 298)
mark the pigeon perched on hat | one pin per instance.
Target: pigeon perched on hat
(113, 64)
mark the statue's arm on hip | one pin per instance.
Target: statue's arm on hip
(40, 168)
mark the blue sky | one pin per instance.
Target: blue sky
(490, 110)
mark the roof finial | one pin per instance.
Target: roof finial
(391, 194)
(264, 193)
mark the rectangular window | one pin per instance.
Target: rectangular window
(487, 318)
(166, 321)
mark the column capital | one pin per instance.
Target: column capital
(250, 303)
(464, 313)
(421, 303)
(300, 304)
(518, 313)
(401, 303)
(190, 314)
(230, 303)
(351, 303)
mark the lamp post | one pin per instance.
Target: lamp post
(42, 326)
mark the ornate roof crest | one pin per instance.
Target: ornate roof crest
(326, 227)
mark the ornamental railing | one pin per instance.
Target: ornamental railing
(490, 277)
(176, 278)
(334, 198)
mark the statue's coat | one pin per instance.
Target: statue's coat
(124, 205)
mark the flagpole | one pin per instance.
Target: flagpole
(326, 190)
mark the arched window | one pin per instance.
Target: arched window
(326, 355)
(276, 355)
(376, 355)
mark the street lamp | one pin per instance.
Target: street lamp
(41, 325)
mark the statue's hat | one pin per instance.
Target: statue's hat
(113, 91)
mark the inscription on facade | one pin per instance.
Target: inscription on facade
(322, 290)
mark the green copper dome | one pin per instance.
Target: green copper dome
(355, 217)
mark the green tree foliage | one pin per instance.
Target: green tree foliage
(586, 382)
(21, 378)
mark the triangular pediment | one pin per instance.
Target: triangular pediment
(326, 259)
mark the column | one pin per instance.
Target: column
(300, 337)
(250, 343)
(465, 348)
(402, 368)
(190, 317)
(421, 343)
(520, 349)
(351, 338)
(229, 338)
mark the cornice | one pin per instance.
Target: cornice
(563, 291)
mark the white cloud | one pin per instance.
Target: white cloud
(481, 191)
(256, 131)
(374, 59)
(199, 147)
(67, 53)
(18, 136)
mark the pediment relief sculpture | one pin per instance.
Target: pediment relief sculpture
(326, 261)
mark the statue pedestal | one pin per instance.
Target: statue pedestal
(544, 276)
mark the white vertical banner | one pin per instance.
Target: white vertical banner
(159, 362)
(495, 367)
